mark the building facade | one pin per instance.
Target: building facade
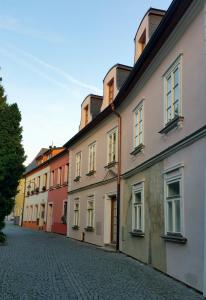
(19, 202)
(161, 104)
(57, 193)
(93, 167)
(37, 181)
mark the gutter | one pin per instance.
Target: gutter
(118, 172)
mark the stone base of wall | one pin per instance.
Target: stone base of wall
(33, 225)
(59, 228)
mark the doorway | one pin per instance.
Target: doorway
(49, 217)
(113, 219)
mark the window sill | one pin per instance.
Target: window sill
(75, 227)
(77, 179)
(110, 165)
(174, 238)
(90, 173)
(138, 149)
(137, 233)
(176, 122)
(89, 229)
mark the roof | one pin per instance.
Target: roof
(92, 96)
(118, 66)
(33, 164)
(151, 11)
(173, 15)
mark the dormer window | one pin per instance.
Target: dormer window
(142, 41)
(111, 90)
(86, 115)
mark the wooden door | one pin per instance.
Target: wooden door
(113, 220)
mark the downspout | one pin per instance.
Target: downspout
(22, 213)
(204, 231)
(118, 172)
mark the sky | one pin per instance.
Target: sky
(54, 53)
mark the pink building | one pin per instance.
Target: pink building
(57, 194)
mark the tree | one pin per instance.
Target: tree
(11, 155)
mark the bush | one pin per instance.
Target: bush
(2, 237)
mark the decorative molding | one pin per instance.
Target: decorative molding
(185, 142)
(137, 149)
(174, 123)
(96, 184)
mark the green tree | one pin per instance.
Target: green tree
(11, 154)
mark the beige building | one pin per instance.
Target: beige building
(19, 202)
(93, 166)
(154, 116)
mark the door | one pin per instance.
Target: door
(49, 218)
(113, 220)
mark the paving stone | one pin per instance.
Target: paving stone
(37, 265)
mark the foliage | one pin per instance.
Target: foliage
(2, 238)
(11, 154)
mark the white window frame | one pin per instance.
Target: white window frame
(170, 73)
(114, 152)
(136, 111)
(76, 201)
(138, 188)
(172, 175)
(90, 199)
(78, 162)
(92, 152)
(66, 173)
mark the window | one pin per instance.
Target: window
(78, 164)
(66, 170)
(111, 90)
(45, 180)
(172, 82)
(112, 146)
(138, 208)
(92, 157)
(59, 174)
(65, 212)
(76, 213)
(142, 42)
(173, 207)
(90, 213)
(86, 115)
(173, 201)
(52, 179)
(138, 126)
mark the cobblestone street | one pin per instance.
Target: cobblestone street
(38, 265)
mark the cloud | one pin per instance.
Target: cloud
(31, 67)
(67, 76)
(57, 70)
(14, 25)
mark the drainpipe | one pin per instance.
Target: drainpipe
(118, 172)
(22, 213)
(204, 239)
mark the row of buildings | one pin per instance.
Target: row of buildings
(134, 175)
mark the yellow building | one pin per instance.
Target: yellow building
(19, 202)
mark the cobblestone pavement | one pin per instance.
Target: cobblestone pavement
(38, 265)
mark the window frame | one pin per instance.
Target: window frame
(78, 166)
(76, 201)
(177, 63)
(113, 152)
(138, 188)
(172, 175)
(90, 199)
(92, 158)
(139, 107)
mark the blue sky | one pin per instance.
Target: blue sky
(54, 53)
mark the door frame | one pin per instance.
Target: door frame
(107, 216)
(49, 216)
